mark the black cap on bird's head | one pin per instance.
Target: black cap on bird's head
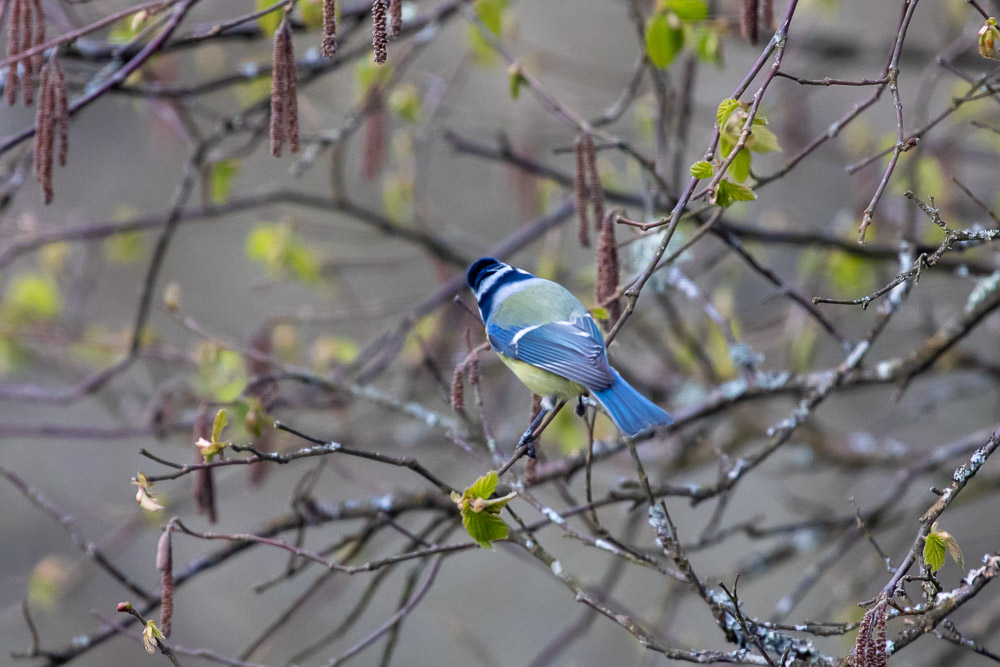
(480, 269)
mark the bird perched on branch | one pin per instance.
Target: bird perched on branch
(553, 345)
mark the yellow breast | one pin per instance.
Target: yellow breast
(543, 382)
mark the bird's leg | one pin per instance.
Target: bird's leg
(581, 406)
(528, 438)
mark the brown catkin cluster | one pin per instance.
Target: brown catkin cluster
(767, 14)
(748, 21)
(165, 564)
(587, 187)
(373, 154)
(474, 371)
(329, 44)
(594, 180)
(25, 29)
(284, 93)
(380, 40)
(395, 17)
(458, 387)
(474, 361)
(469, 366)
(869, 647)
(51, 123)
(582, 197)
(608, 268)
(204, 485)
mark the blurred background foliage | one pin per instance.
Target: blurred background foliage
(318, 289)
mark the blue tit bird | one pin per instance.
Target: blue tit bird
(553, 345)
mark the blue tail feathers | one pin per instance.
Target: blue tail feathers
(631, 412)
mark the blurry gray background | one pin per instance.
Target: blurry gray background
(124, 153)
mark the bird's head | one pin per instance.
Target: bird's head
(480, 270)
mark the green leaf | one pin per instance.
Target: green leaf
(727, 193)
(479, 513)
(249, 413)
(850, 274)
(989, 39)
(689, 10)
(268, 22)
(484, 527)
(483, 487)
(221, 176)
(494, 505)
(368, 74)
(739, 169)
(702, 169)
(600, 313)
(708, 45)
(516, 80)
(265, 242)
(397, 196)
(12, 355)
(726, 145)
(405, 101)
(741, 192)
(221, 373)
(726, 107)
(663, 39)
(48, 582)
(124, 248)
(218, 425)
(491, 13)
(279, 249)
(934, 550)
(312, 13)
(929, 172)
(935, 545)
(762, 140)
(32, 296)
(954, 550)
(253, 90)
(329, 350)
(302, 263)
(126, 29)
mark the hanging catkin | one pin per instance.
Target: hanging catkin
(395, 17)
(608, 268)
(380, 39)
(329, 44)
(51, 123)
(284, 93)
(580, 190)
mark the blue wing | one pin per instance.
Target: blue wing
(573, 349)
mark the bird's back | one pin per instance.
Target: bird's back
(537, 301)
